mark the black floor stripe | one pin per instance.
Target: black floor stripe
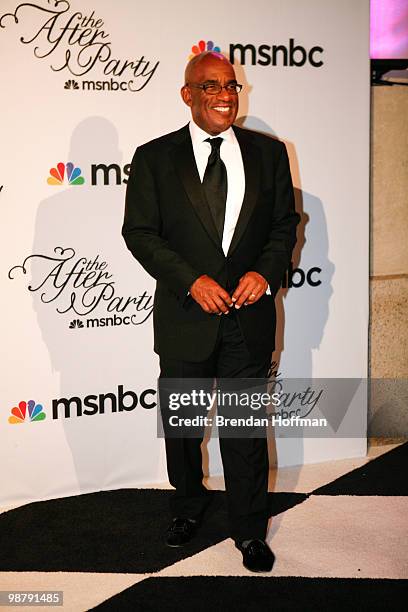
(110, 531)
(386, 475)
(247, 594)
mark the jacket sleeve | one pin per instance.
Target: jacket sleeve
(142, 230)
(277, 251)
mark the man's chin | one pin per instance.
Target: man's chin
(220, 125)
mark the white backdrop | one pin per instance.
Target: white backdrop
(86, 82)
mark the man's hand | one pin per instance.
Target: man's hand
(210, 295)
(251, 287)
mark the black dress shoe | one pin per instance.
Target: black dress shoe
(256, 555)
(180, 532)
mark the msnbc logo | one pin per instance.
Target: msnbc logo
(73, 174)
(35, 412)
(204, 46)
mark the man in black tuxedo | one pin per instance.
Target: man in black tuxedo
(210, 215)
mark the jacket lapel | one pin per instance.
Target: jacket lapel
(252, 166)
(188, 173)
(187, 170)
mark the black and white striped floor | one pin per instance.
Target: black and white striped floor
(339, 531)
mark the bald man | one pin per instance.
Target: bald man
(210, 215)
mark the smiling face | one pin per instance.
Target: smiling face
(212, 113)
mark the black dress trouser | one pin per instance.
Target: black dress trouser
(245, 460)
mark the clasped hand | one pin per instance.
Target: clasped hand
(213, 299)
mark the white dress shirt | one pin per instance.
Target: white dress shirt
(230, 154)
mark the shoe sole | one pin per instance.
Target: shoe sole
(258, 571)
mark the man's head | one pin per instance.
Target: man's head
(213, 113)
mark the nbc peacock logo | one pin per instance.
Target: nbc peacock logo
(72, 174)
(71, 84)
(76, 324)
(27, 411)
(202, 46)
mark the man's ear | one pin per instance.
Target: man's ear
(186, 95)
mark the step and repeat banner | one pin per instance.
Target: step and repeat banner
(83, 84)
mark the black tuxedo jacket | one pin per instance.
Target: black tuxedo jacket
(169, 229)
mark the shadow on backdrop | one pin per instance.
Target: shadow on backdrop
(87, 220)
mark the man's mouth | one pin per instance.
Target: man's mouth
(221, 109)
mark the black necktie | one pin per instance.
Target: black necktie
(215, 184)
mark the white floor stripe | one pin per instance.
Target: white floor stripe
(325, 536)
(82, 591)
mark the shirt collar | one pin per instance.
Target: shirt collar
(198, 135)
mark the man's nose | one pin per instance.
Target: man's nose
(224, 94)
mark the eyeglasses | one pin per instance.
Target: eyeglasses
(216, 88)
